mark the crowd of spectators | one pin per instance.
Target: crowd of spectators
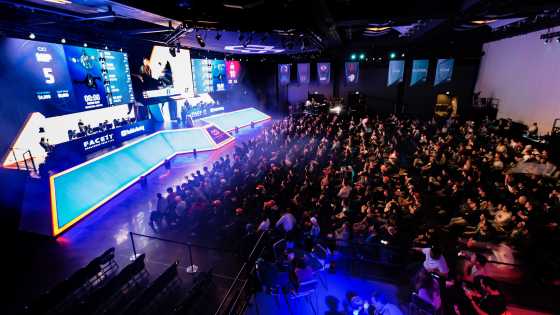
(398, 181)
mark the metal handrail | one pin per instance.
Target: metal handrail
(132, 234)
(237, 277)
(186, 244)
(24, 155)
(13, 151)
(30, 158)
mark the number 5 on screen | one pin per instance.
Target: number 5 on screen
(49, 76)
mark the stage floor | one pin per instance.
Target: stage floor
(43, 262)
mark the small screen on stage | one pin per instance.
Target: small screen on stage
(61, 79)
(209, 75)
(233, 68)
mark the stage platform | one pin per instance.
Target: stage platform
(240, 118)
(80, 190)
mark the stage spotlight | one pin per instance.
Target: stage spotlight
(120, 49)
(362, 56)
(393, 55)
(200, 40)
(31, 36)
(63, 40)
(402, 55)
(353, 57)
(172, 51)
(85, 44)
(218, 36)
(106, 48)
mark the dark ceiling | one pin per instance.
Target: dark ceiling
(280, 26)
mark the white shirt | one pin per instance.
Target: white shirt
(345, 191)
(432, 265)
(287, 221)
(389, 309)
(264, 226)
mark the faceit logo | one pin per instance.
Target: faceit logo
(99, 141)
(131, 131)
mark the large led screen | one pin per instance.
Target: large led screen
(164, 74)
(60, 79)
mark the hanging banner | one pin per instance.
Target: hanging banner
(284, 73)
(303, 70)
(396, 72)
(444, 71)
(419, 71)
(351, 72)
(324, 72)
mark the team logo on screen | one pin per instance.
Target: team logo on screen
(253, 49)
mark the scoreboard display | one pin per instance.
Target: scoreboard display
(62, 79)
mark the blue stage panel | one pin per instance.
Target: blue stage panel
(240, 118)
(189, 139)
(77, 190)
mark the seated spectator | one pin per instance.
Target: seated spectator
(533, 130)
(287, 222)
(381, 306)
(44, 143)
(264, 225)
(434, 260)
(488, 300)
(474, 267)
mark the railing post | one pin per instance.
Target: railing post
(190, 257)
(133, 245)
(15, 158)
(25, 162)
(32, 161)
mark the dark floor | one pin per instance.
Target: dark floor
(42, 262)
